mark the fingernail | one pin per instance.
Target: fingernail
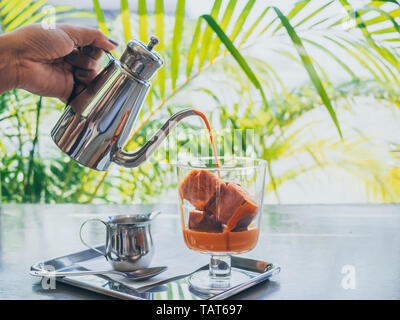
(82, 73)
(72, 56)
(113, 42)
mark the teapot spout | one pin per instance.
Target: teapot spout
(134, 159)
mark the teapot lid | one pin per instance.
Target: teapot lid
(140, 59)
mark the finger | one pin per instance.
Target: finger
(79, 89)
(85, 76)
(65, 80)
(93, 52)
(78, 59)
(87, 36)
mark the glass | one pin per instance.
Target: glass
(220, 211)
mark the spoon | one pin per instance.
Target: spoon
(139, 274)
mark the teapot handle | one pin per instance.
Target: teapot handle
(76, 85)
(109, 55)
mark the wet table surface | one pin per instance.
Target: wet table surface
(325, 251)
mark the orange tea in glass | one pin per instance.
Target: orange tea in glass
(221, 207)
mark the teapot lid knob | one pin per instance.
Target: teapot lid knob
(153, 42)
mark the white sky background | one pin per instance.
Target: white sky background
(193, 7)
(321, 187)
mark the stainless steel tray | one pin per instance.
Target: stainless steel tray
(171, 289)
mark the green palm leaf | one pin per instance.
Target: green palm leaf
(159, 30)
(333, 56)
(12, 11)
(384, 16)
(193, 48)
(125, 17)
(235, 54)
(143, 36)
(356, 56)
(10, 5)
(312, 14)
(309, 67)
(365, 52)
(207, 35)
(15, 14)
(241, 20)
(100, 17)
(296, 9)
(223, 24)
(177, 41)
(143, 21)
(27, 13)
(255, 24)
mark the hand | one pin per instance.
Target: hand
(45, 62)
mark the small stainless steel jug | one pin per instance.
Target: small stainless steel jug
(129, 245)
(96, 124)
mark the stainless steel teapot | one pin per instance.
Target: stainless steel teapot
(96, 124)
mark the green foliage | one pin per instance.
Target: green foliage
(18, 13)
(260, 99)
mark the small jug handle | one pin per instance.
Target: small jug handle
(88, 245)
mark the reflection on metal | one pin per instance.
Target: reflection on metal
(129, 244)
(186, 295)
(177, 289)
(97, 122)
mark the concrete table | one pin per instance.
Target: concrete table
(325, 251)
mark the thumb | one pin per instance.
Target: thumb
(87, 36)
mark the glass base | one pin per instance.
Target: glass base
(202, 282)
